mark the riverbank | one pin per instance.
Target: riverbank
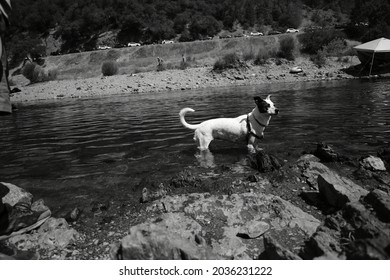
(301, 208)
(175, 79)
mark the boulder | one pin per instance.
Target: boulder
(274, 251)
(326, 153)
(338, 190)
(235, 224)
(15, 195)
(380, 201)
(53, 234)
(311, 170)
(264, 162)
(173, 236)
(372, 163)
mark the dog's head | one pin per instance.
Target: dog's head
(266, 106)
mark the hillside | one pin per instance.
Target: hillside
(144, 58)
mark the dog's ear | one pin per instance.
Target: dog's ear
(257, 99)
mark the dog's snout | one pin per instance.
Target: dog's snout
(276, 111)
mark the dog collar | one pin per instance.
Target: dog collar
(249, 128)
(258, 122)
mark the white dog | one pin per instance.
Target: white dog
(245, 128)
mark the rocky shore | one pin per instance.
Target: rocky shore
(320, 205)
(174, 79)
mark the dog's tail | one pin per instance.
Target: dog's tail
(182, 114)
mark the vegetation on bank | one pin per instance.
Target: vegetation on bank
(79, 23)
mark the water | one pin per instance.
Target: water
(76, 151)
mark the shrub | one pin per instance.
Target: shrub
(35, 73)
(335, 48)
(313, 41)
(262, 56)
(110, 68)
(287, 48)
(228, 61)
(319, 58)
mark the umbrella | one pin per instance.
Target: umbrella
(381, 45)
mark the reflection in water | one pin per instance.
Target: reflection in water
(83, 147)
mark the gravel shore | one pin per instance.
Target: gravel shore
(175, 79)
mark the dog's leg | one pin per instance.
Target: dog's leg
(251, 145)
(205, 142)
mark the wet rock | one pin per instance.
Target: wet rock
(15, 194)
(274, 251)
(307, 158)
(264, 162)
(326, 153)
(372, 163)
(73, 215)
(380, 201)
(338, 190)
(171, 237)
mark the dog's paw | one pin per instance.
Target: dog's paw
(251, 149)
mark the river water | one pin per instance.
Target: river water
(75, 151)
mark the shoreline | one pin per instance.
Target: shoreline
(176, 80)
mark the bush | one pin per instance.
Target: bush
(313, 41)
(287, 48)
(228, 61)
(110, 68)
(319, 58)
(35, 73)
(335, 48)
(262, 56)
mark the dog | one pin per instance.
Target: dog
(243, 129)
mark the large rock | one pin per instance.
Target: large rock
(172, 236)
(264, 162)
(311, 170)
(372, 163)
(338, 190)
(233, 225)
(16, 195)
(53, 234)
(326, 153)
(380, 201)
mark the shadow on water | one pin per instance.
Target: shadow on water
(69, 151)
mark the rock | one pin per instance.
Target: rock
(338, 190)
(369, 249)
(274, 251)
(253, 229)
(171, 237)
(372, 163)
(326, 154)
(223, 218)
(311, 170)
(380, 201)
(53, 234)
(16, 195)
(264, 162)
(307, 158)
(73, 215)
(323, 243)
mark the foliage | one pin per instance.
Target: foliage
(315, 40)
(287, 47)
(319, 58)
(110, 68)
(335, 48)
(35, 73)
(228, 61)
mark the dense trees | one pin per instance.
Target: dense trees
(79, 22)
